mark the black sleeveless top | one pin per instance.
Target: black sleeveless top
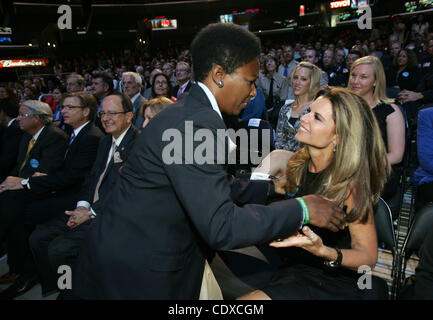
(340, 239)
(382, 111)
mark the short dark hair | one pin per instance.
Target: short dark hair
(106, 79)
(10, 107)
(228, 45)
(125, 100)
(86, 100)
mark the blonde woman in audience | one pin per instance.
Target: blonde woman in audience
(153, 107)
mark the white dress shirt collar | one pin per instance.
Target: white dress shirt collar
(211, 98)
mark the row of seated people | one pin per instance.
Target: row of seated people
(56, 179)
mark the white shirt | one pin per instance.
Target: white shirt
(135, 97)
(10, 122)
(211, 98)
(182, 87)
(77, 131)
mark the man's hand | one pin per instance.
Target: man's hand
(325, 213)
(11, 183)
(39, 174)
(77, 217)
(407, 96)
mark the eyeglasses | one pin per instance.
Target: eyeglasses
(181, 70)
(70, 107)
(26, 115)
(110, 114)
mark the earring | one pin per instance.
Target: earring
(335, 147)
(220, 84)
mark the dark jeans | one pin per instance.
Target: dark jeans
(424, 195)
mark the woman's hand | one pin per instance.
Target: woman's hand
(308, 241)
(275, 163)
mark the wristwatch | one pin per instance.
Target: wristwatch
(336, 263)
(92, 214)
(25, 183)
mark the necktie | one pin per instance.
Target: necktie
(101, 177)
(71, 138)
(270, 102)
(29, 148)
(180, 91)
(286, 71)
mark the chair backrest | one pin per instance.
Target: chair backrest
(418, 231)
(384, 225)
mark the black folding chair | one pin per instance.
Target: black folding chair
(421, 225)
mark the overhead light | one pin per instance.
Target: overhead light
(49, 44)
(30, 44)
(100, 33)
(144, 41)
(54, 45)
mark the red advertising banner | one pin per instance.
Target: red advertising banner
(16, 63)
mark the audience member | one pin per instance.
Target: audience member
(305, 84)
(367, 78)
(132, 87)
(183, 76)
(57, 241)
(152, 107)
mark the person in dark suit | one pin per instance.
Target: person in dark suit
(165, 207)
(183, 76)
(10, 139)
(45, 195)
(102, 86)
(131, 86)
(57, 242)
(41, 148)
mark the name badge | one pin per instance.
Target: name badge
(34, 163)
(117, 158)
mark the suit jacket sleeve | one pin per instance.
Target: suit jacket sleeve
(204, 191)
(72, 174)
(49, 150)
(88, 189)
(245, 191)
(425, 140)
(9, 150)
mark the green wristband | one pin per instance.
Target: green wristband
(305, 211)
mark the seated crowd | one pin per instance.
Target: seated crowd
(64, 137)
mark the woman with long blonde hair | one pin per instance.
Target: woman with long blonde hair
(344, 159)
(305, 83)
(367, 78)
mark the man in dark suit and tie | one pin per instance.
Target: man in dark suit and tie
(131, 82)
(148, 244)
(57, 242)
(11, 137)
(43, 195)
(183, 76)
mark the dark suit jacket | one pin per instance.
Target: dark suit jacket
(146, 245)
(138, 119)
(176, 89)
(9, 147)
(47, 152)
(112, 173)
(76, 165)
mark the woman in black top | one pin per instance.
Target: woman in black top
(344, 159)
(408, 75)
(367, 78)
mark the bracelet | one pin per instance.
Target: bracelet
(305, 210)
(336, 263)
